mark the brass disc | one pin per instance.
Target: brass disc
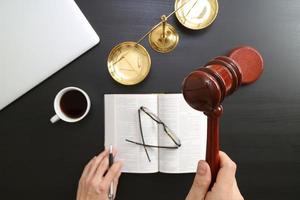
(163, 44)
(129, 63)
(196, 14)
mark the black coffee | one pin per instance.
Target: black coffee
(73, 103)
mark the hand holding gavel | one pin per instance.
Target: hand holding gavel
(205, 89)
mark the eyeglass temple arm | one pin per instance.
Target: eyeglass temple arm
(149, 145)
(173, 137)
(142, 108)
(142, 135)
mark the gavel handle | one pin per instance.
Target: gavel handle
(212, 144)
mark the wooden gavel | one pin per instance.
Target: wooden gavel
(205, 89)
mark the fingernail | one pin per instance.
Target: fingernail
(202, 168)
(119, 160)
(115, 152)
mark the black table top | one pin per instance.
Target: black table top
(259, 129)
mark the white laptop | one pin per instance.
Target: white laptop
(37, 38)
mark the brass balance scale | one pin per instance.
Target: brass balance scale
(129, 62)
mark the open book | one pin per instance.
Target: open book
(122, 122)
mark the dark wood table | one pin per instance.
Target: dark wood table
(260, 128)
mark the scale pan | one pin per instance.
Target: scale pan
(129, 63)
(196, 14)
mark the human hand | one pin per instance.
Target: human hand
(225, 187)
(94, 183)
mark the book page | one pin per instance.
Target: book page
(122, 122)
(190, 126)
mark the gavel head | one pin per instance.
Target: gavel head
(205, 88)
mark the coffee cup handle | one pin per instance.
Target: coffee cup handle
(54, 119)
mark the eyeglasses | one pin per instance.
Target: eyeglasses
(166, 129)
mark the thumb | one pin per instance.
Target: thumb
(201, 182)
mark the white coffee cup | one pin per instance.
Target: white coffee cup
(58, 110)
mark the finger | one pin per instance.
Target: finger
(236, 192)
(116, 182)
(95, 164)
(113, 171)
(201, 182)
(116, 179)
(79, 190)
(87, 167)
(103, 166)
(226, 174)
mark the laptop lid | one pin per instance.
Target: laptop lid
(37, 38)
